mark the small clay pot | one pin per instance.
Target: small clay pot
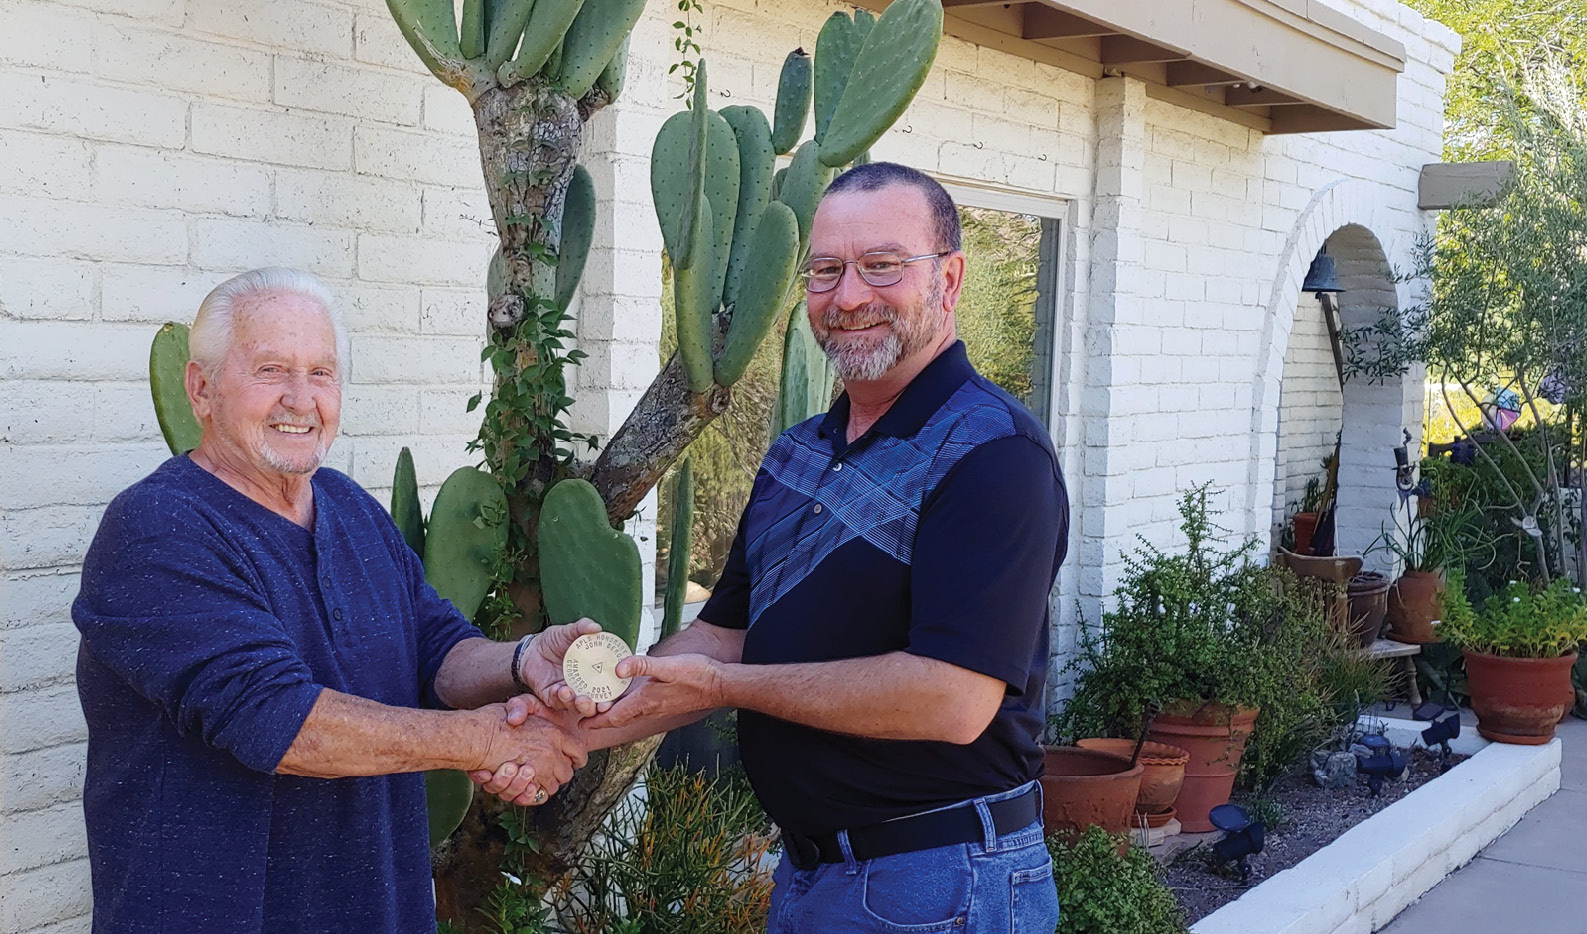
(1305, 525)
(1369, 604)
(1518, 700)
(1414, 604)
(1083, 787)
(1164, 770)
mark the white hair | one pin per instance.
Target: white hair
(210, 338)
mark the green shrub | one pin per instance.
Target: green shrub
(1101, 892)
(1520, 621)
(1208, 624)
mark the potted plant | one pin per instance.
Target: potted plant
(1212, 639)
(1519, 650)
(1440, 537)
(1303, 524)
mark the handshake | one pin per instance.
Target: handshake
(535, 741)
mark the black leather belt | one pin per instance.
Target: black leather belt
(960, 824)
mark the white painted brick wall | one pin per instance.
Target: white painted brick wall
(149, 148)
(1311, 407)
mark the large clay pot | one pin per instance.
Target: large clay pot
(1083, 787)
(1518, 700)
(1214, 735)
(1163, 770)
(1369, 603)
(1414, 604)
(1305, 525)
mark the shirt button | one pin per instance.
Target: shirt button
(837, 467)
(337, 613)
(326, 580)
(816, 509)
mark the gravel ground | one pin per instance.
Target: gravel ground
(1312, 818)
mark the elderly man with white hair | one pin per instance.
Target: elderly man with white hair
(265, 672)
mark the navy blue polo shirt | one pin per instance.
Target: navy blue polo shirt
(938, 532)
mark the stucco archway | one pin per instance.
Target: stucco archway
(1344, 217)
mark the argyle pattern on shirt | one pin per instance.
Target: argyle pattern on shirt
(876, 494)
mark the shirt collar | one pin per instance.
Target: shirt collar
(924, 395)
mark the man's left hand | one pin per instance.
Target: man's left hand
(542, 668)
(664, 686)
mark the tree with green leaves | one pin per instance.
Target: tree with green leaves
(1505, 306)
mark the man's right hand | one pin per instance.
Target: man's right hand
(525, 758)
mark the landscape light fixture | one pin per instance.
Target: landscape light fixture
(1242, 837)
(1379, 762)
(1440, 733)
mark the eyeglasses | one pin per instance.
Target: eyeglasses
(880, 269)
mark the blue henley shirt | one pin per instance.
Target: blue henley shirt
(210, 624)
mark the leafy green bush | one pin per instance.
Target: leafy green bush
(1207, 624)
(1101, 892)
(1520, 621)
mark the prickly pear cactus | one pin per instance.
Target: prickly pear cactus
(168, 385)
(806, 387)
(405, 508)
(793, 102)
(678, 550)
(588, 569)
(887, 70)
(466, 534)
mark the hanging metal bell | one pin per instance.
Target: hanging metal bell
(1322, 276)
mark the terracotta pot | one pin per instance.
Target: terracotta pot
(1414, 604)
(1164, 770)
(1305, 525)
(1518, 700)
(1214, 735)
(1369, 603)
(1083, 787)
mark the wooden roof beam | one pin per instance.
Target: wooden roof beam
(1258, 97)
(1195, 74)
(1127, 50)
(1044, 22)
(951, 4)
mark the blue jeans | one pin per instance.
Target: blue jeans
(996, 885)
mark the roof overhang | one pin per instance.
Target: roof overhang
(1281, 66)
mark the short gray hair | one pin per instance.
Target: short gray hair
(210, 337)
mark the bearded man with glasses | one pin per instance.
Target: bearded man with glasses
(882, 623)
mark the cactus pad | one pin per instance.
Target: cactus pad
(793, 102)
(677, 175)
(587, 568)
(767, 277)
(694, 304)
(549, 21)
(578, 230)
(756, 163)
(168, 385)
(405, 510)
(447, 795)
(890, 67)
(802, 187)
(836, 48)
(806, 387)
(468, 530)
(615, 73)
(596, 34)
(678, 550)
(721, 191)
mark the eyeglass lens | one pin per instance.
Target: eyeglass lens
(823, 273)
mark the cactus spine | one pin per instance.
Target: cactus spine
(168, 385)
(678, 550)
(588, 568)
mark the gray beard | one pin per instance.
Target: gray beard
(856, 361)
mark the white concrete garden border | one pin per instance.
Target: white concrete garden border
(1361, 881)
